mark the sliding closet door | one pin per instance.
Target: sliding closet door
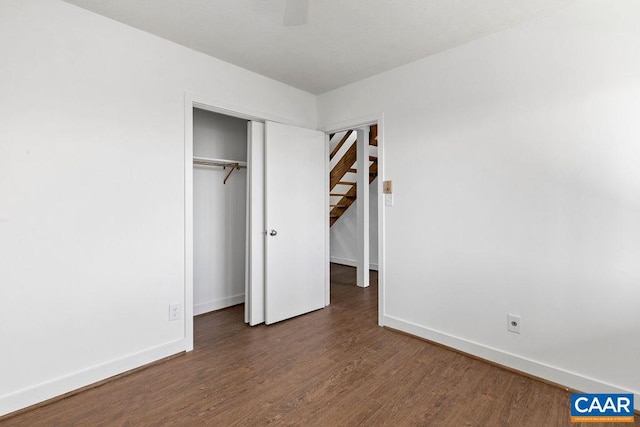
(295, 221)
(254, 289)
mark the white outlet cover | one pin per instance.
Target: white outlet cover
(175, 311)
(513, 323)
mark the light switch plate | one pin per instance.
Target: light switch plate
(387, 187)
(388, 199)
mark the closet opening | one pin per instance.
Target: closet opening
(219, 211)
(247, 247)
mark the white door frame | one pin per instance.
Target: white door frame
(353, 124)
(192, 101)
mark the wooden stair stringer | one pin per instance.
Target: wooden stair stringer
(343, 166)
(337, 174)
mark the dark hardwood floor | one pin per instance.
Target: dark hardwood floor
(332, 367)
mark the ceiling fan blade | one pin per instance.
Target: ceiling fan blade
(296, 12)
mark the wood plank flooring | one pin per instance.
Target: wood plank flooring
(332, 367)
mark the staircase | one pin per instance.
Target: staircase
(342, 180)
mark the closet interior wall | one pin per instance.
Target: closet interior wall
(219, 212)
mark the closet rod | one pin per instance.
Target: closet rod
(220, 163)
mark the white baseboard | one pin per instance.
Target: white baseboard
(47, 390)
(570, 380)
(352, 262)
(208, 306)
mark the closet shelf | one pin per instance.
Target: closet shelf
(224, 164)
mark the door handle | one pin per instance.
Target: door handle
(273, 233)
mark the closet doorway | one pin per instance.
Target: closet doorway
(285, 221)
(219, 210)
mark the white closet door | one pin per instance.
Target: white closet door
(254, 289)
(294, 220)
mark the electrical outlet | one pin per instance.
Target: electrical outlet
(513, 323)
(175, 311)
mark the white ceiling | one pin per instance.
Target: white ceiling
(343, 41)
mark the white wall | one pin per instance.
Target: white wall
(92, 241)
(343, 234)
(517, 190)
(219, 213)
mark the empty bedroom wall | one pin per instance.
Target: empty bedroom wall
(92, 172)
(517, 190)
